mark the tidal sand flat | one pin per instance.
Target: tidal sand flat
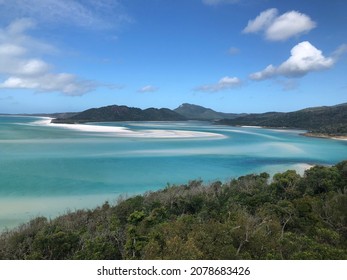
(117, 131)
(47, 169)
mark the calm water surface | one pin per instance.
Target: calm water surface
(47, 169)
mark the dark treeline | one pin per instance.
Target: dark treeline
(252, 217)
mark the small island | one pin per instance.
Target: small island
(116, 113)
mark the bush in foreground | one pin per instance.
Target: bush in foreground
(252, 217)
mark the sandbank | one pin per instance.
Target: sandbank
(118, 131)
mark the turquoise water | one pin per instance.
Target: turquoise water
(47, 169)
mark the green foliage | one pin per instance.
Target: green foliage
(54, 243)
(320, 120)
(321, 179)
(251, 217)
(98, 248)
(195, 112)
(286, 185)
(121, 113)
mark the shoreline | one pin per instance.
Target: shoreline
(325, 136)
(13, 216)
(306, 134)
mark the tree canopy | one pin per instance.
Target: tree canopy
(252, 217)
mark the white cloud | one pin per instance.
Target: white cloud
(148, 88)
(20, 25)
(20, 70)
(14, 36)
(261, 22)
(267, 73)
(96, 14)
(14, 65)
(223, 84)
(280, 28)
(288, 25)
(305, 58)
(218, 2)
(11, 50)
(67, 84)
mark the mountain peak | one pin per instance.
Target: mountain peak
(197, 112)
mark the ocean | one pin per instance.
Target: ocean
(49, 169)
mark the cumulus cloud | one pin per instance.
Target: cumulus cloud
(223, 84)
(218, 2)
(96, 14)
(280, 27)
(305, 58)
(20, 70)
(148, 88)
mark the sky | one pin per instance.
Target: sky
(236, 56)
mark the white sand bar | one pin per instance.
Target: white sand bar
(117, 131)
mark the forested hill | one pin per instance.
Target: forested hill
(330, 120)
(122, 113)
(252, 217)
(195, 112)
(327, 120)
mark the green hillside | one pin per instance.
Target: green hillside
(330, 120)
(195, 112)
(327, 120)
(121, 113)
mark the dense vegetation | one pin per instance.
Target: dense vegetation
(329, 120)
(252, 217)
(195, 112)
(121, 113)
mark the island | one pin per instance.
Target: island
(115, 113)
(324, 121)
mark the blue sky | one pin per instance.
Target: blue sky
(229, 55)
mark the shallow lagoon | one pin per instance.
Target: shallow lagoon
(47, 169)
